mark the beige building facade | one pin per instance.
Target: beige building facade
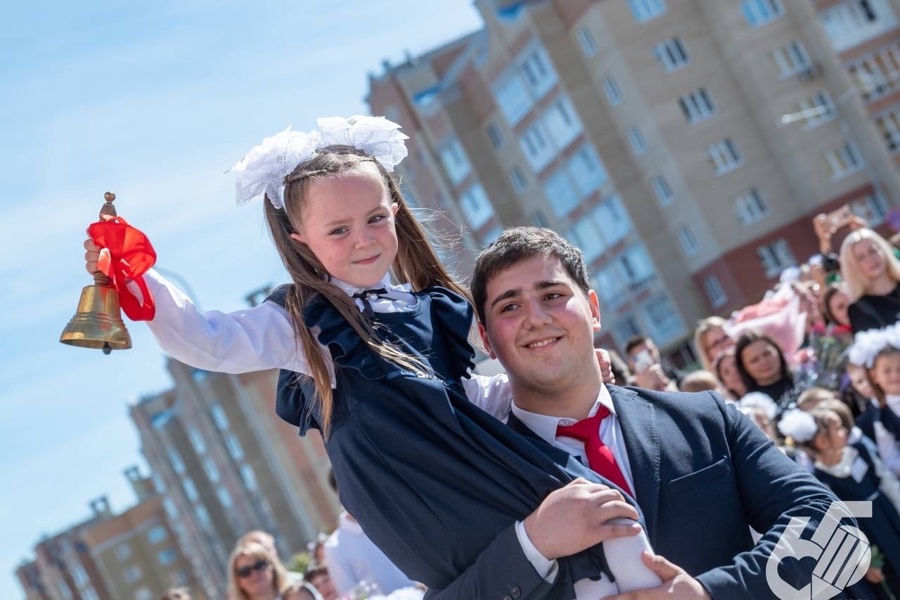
(132, 555)
(683, 146)
(227, 464)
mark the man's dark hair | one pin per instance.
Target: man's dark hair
(635, 341)
(521, 243)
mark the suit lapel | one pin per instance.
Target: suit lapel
(637, 419)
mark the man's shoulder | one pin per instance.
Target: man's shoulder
(688, 401)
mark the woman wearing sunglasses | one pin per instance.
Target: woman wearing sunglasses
(255, 574)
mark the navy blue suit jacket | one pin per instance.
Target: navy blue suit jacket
(703, 475)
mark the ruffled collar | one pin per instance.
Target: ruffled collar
(843, 467)
(385, 283)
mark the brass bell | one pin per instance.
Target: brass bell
(98, 320)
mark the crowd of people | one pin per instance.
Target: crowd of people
(546, 481)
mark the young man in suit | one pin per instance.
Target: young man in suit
(701, 473)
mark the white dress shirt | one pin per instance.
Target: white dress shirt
(888, 445)
(263, 337)
(622, 554)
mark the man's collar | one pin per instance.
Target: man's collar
(545, 425)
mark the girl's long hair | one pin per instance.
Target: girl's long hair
(280, 580)
(857, 283)
(417, 263)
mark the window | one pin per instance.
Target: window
(609, 284)
(197, 440)
(612, 91)
(877, 74)
(212, 471)
(697, 106)
(218, 415)
(175, 460)
(517, 177)
(224, 498)
(714, 291)
(157, 534)
(636, 266)
(724, 156)
(166, 557)
(476, 207)
(889, 125)
(792, 59)
(512, 98)
(132, 573)
(159, 484)
(872, 208)
(760, 12)
(843, 161)
(561, 192)
(495, 135)
(637, 141)
(538, 219)
(662, 190)
(644, 10)
(64, 590)
(143, 593)
(751, 207)
(663, 319)
(587, 170)
(561, 122)
(775, 257)
(538, 150)
(203, 517)
(123, 552)
(851, 22)
(491, 236)
(171, 509)
(234, 447)
(190, 490)
(586, 237)
(624, 328)
(672, 54)
(89, 593)
(454, 160)
(688, 241)
(534, 64)
(816, 109)
(249, 477)
(587, 41)
(79, 575)
(612, 220)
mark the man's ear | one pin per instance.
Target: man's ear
(485, 341)
(595, 309)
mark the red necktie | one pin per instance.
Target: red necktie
(600, 457)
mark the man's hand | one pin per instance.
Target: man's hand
(575, 517)
(677, 585)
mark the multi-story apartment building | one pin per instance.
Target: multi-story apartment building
(227, 464)
(110, 556)
(865, 35)
(673, 142)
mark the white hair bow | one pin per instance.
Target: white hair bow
(263, 169)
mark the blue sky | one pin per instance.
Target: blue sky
(152, 101)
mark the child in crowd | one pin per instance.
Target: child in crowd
(879, 351)
(854, 472)
(381, 369)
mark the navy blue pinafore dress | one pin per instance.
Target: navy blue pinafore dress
(431, 478)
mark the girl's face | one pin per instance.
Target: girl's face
(868, 258)
(760, 359)
(715, 342)
(255, 576)
(860, 381)
(886, 373)
(832, 435)
(837, 306)
(348, 223)
(731, 378)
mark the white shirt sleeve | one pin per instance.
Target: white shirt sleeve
(888, 448)
(254, 339)
(545, 567)
(491, 394)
